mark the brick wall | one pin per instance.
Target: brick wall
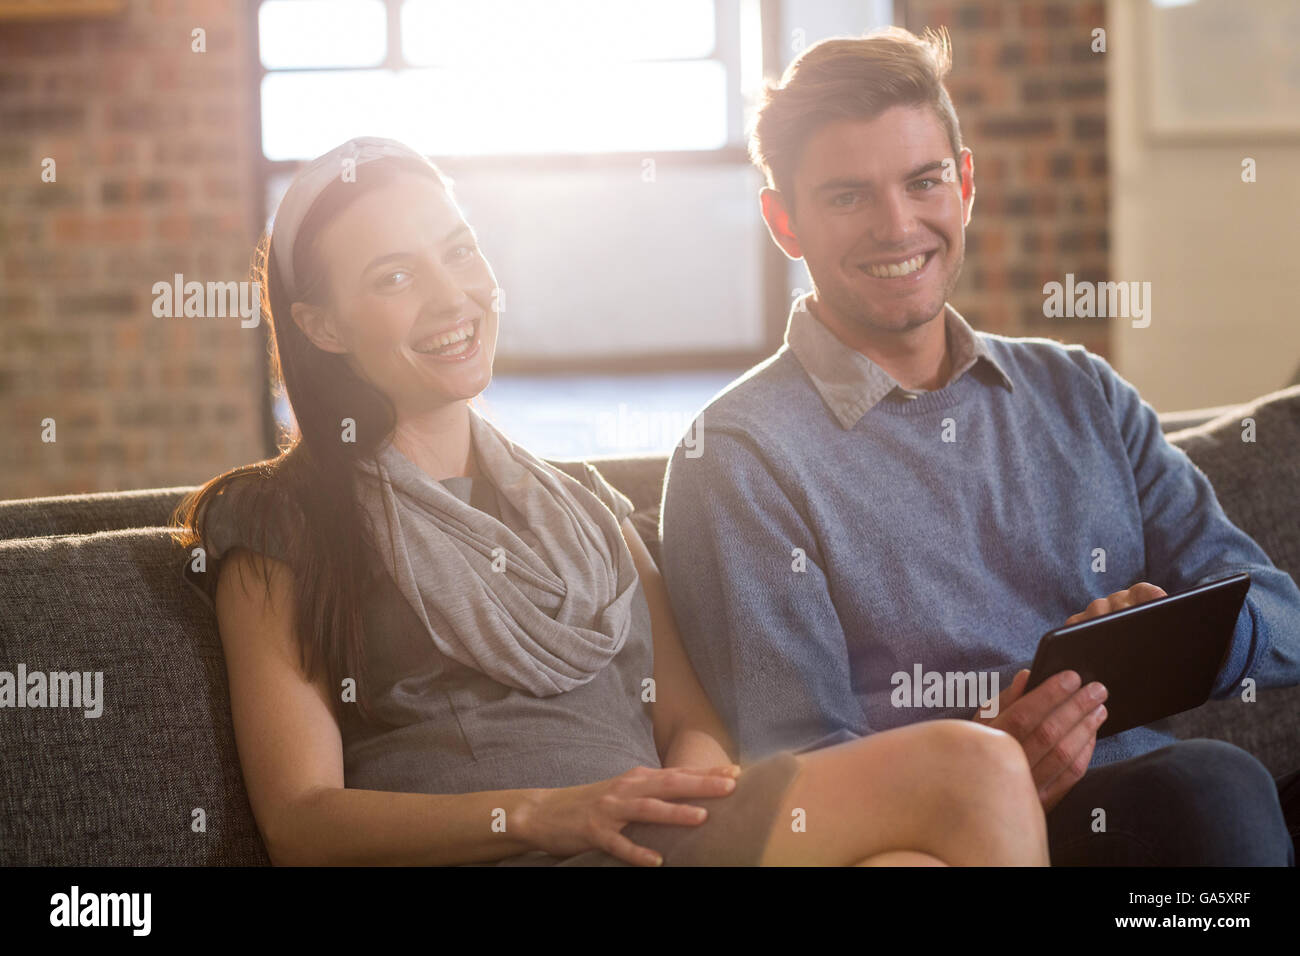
(153, 164)
(1031, 98)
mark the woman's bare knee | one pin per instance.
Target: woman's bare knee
(985, 807)
(945, 788)
(980, 758)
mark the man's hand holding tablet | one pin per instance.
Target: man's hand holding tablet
(1164, 659)
(1057, 722)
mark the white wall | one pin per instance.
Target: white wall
(1220, 254)
(599, 262)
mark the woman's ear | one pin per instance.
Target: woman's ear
(317, 326)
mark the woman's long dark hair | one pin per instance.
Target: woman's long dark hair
(306, 492)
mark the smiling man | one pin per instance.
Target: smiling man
(893, 491)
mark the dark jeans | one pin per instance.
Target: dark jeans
(1193, 803)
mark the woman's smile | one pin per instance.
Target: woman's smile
(457, 344)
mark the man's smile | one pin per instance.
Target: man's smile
(911, 268)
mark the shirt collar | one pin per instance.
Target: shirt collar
(850, 383)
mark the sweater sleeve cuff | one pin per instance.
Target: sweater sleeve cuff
(1243, 652)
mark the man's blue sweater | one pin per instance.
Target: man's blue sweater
(955, 555)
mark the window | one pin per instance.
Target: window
(502, 77)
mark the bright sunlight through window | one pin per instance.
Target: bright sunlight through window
(492, 76)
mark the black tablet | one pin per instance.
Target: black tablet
(1156, 659)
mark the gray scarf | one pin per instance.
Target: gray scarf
(543, 619)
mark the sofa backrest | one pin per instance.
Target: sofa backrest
(86, 514)
(1256, 481)
(122, 788)
(1258, 484)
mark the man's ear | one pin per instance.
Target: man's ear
(967, 164)
(318, 328)
(778, 219)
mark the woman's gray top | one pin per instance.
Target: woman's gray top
(442, 727)
(455, 730)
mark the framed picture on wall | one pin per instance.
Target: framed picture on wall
(1220, 69)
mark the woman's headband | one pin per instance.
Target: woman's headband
(312, 180)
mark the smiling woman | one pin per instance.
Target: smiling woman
(293, 501)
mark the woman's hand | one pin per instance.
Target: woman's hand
(570, 820)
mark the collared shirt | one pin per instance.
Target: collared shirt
(851, 384)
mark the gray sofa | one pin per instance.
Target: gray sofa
(93, 583)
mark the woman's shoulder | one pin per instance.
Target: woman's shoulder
(252, 510)
(244, 509)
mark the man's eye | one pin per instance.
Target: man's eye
(927, 183)
(462, 252)
(393, 278)
(844, 199)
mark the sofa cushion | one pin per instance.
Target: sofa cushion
(120, 788)
(1258, 484)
